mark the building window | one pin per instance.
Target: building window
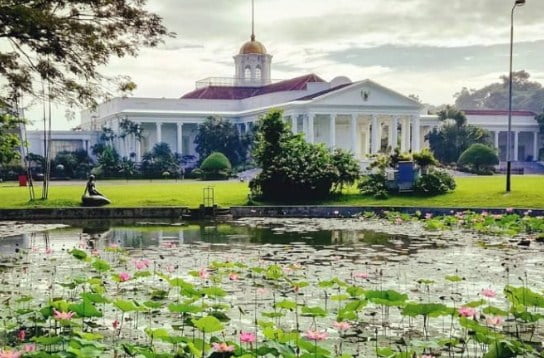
(58, 146)
(247, 73)
(258, 73)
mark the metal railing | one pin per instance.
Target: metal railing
(232, 81)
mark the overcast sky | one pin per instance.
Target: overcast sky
(430, 48)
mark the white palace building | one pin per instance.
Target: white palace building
(363, 116)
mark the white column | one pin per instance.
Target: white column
(138, 145)
(406, 126)
(367, 138)
(159, 131)
(416, 145)
(375, 141)
(180, 138)
(392, 137)
(535, 147)
(332, 131)
(403, 135)
(516, 146)
(496, 139)
(310, 137)
(305, 125)
(294, 123)
(353, 123)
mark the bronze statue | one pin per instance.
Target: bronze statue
(91, 196)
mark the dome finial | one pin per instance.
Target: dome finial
(252, 20)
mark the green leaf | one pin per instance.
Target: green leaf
(386, 298)
(208, 324)
(85, 309)
(313, 311)
(454, 278)
(214, 291)
(184, 308)
(286, 304)
(78, 254)
(426, 309)
(125, 305)
(94, 297)
(101, 265)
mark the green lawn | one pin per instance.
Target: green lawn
(527, 191)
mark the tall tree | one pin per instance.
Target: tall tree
(527, 94)
(9, 139)
(52, 50)
(221, 135)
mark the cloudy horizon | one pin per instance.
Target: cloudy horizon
(420, 47)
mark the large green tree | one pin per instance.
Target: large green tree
(64, 43)
(9, 139)
(220, 135)
(527, 94)
(454, 135)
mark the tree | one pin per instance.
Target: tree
(527, 95)
(9, 139)
(480, 158)
(215, 167)
(65, 42)
(293, 169)
(159, 161)
(221, 135)
(454, 136)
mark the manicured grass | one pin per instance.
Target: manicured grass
(527, 191)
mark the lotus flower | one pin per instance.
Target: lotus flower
(361, 275)
(31, 347)
(10, 354)
(316, 335)
(203, 274)
(467, 311)
(124, 276)
(341, 326)
(234, 277)
(247, 337)
(489, 293)
(21, 335)
(494, 321)
(62, 316)
(222, 347)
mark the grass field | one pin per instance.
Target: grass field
(527, 192)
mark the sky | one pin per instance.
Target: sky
(430, 48)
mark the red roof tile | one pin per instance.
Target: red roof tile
(226, 92)
(321, 93)
(497, 112)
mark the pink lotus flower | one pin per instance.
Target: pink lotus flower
(467, 311)
(21, 335)
(124, 276)
(316, 335)
(485, 213)
(247, 337)
(398, 221)
(170, 268)
(341, 326)
(142, 264)
(361, 275)
(10, 354)
(115, 324)
(494, 321)
(428, 216)
(222, 347)
(489, 293)
(203, 274)
(234, 277)
(62, 316)
(509, 210)
(48, 251)
(28, 348)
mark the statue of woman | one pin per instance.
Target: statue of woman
(91, 196)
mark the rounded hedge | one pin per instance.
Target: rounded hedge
(479, 157)
(216, 161)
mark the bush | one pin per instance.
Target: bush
(479, 158)
(375, 185)
(424, 159)
(435, 182)
(159, 160)
(293, 169)
(215, 167)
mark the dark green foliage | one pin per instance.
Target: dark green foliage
(9, 139)
(74, 164)
(424, 159)
(215, 167)
(375, 185)
(479, 158)
(108, 161)
(221, 135)
(452, 138)
(66, 42)
(160, 160)
(293, 169)
(435, 182)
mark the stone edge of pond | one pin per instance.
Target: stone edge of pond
(290, 211)
(320, 211)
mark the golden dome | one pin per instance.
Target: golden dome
(253, 47)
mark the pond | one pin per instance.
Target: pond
(394, 287)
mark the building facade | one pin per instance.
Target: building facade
(363, 117)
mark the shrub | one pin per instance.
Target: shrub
(159, 160)
(424, 159)
(293, 169)
(375, 185)
(435, 182)
(215, 167)
(479, 158)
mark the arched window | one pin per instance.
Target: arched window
(258, 73)
(247, 73)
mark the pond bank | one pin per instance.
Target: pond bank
(291, 211)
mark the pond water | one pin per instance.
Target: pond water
(240, 258)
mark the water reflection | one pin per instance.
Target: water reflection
(137, 234)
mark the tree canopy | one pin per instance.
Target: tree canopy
(9, 139)
(65, 42)
(527, 95)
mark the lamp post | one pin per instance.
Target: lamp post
(509, 137)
